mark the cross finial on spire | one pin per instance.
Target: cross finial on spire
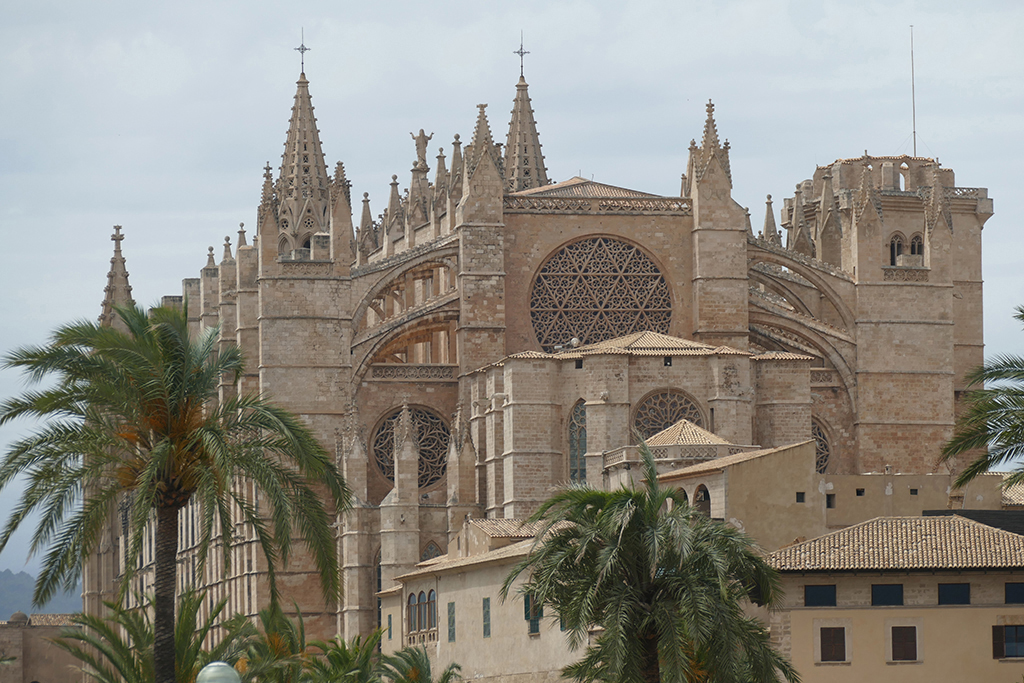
(117, 236)
(522, 53)
(302, 50)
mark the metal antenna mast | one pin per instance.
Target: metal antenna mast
(913, 93)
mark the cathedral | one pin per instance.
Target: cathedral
(493, 334)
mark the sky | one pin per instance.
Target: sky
(160, 116)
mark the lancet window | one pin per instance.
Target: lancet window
(578, 442)
(822, 449)
(895, 249)
(917, 245)
(596, 289)
(432, 435)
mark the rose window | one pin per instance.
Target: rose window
(432, 434)
(661, 411)
(597, 289)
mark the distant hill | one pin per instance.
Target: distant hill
(16, 595)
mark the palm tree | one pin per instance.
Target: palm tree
(129, 417)
(992, 422)
(412, 665)
(119, 648)
(663, 585)
(341, 661)
(277, 653)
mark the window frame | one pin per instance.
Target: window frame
(952, 597)
(833, 644)
(902, 647)
(818, 602)
(1017, 589)
(878, 590)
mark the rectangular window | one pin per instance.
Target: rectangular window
(1007, 641)
(668, 361)
(487, 617)
(1015, 594)
(833, 644)
(886, 594)
(954, 593)
(913, 492)
(860, 492)
(579, 363)
(389, 627)
(820, 596)
(830, 500)
(451, 622)
(800, 496)
(904, 643)
(533, 612)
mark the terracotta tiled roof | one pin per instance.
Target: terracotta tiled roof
(721, 463)
(1013, 495)
(581, 188)
(504, 554)
(649, 344)
(780, 355)
(684, 433)
(508, 527)
(51, 620)
(905, 543)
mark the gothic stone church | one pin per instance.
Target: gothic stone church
(492, 334)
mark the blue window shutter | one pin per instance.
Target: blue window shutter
(526, 606)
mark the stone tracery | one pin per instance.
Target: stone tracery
(662, 410)
(597, 289)
(432, 435)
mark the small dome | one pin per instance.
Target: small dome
(19, 617)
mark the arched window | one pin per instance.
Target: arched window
(895, 249)
(682, 493)
(822, 449)
(430, 552)
(432, 609)
(702, 500)
(917, 245)
(422, 611)
(663, 409)
(578, 442)
(412, 617)
(432, 435)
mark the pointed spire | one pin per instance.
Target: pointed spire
(441, 175)
(455, 191)
(241, 235)
(482, 143)
(524, 162)
(771, 232)
(268, 185)
(342, 182)
(710, 138)
(210, 262)
(117, 292)
(304, 183)
(227, 251)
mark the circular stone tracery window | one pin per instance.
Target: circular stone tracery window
(597, 289)
(661, 411)
(433, 436)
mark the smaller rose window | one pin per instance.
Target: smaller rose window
(662, 410)
(433, 437)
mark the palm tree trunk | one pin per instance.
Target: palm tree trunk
(651, 672)
(164, 590)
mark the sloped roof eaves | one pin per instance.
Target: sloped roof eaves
(582, 188)
(719, 464)
(501, 555)
(905, 544)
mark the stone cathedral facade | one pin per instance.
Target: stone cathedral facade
(493, 334)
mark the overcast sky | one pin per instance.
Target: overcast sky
(160, 116)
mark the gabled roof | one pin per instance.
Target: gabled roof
(508, 527)
(719, 464)
(650, 344)
(503, 554)
(781, 355)
(685, 433)
(905, 543)
(1013, 495)
(581, 188)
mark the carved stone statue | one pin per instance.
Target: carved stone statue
(421, 147)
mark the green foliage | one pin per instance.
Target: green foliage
(992, 422)
(664, 584)
(412, 665)
(119, 648)
(277, 652)
(133, 418)
(340, 661)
